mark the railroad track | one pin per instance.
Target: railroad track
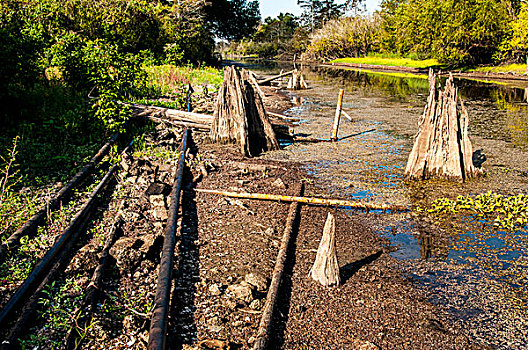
(77, 273)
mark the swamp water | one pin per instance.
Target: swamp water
(467, 265)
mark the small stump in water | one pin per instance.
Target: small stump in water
(325, 269)
(297, 81)
(240, 116)
(442, 148)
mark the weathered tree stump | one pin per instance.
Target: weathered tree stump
(325, 269)
(240, 116)
(442, 148)
(296, 81)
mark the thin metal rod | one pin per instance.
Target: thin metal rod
(160, 313)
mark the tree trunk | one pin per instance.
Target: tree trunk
(442, 148)
(325, 269)
(240, 116)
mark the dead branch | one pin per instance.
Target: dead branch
(308, 200)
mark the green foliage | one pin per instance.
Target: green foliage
(344, 37)
(275, 37)
(454, 32)
(515, 44)
(317, 12)
(507, 212)
(87, 45)
(233, 19)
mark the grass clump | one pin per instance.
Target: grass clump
(507, 68)
(389, 61)
(171, 80)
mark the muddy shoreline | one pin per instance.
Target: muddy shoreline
(376, 307)
(227, 247)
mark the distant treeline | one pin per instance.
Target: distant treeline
(455, 32)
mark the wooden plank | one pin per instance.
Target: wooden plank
(269, 80)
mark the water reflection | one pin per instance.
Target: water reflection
(496, 111)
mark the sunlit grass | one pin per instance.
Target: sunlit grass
(390, 74)
(519, 68)
(170, 80)
(386, 61)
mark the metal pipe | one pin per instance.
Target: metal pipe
(32, 224)
(41, 270)
(160, 313)
(264, 330)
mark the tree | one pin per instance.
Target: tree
(318, 12)
(233, 19)
(346, 37)
(453, 31)
(516, 43)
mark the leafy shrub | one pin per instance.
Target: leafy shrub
(345, 37)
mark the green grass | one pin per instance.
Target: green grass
(386, 61)
(389, 74)
(519, 68)
(171, 80)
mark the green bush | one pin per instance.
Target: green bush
(346, 37)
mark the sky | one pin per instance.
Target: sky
(274, 7)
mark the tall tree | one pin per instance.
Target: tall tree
(453, 31)
(317, 12)
(233, 19)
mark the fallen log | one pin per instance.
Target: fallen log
(308, 200)
(309, 139)
(269, 80)
(264, 328)
(282, 116)
(203, 127)
(173, 114)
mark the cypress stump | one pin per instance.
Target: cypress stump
(442, 148)
(325, 269)
(297, 81)
(240, 116)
